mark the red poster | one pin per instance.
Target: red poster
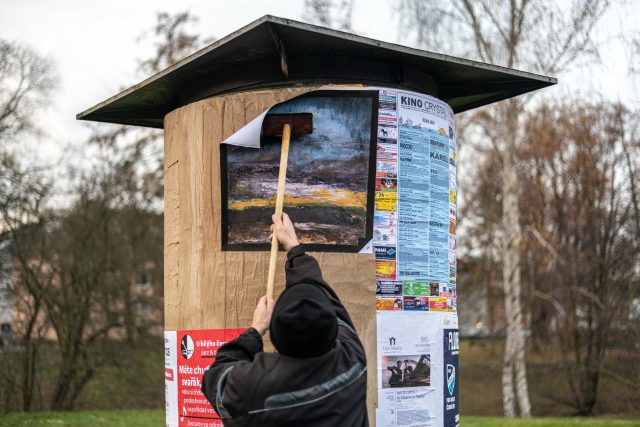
(188, 354)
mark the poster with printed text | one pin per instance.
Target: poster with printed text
(188, 354)
(417, 366)
(415, 201)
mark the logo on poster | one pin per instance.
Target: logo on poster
(392, 341)
(451, 378)
(186, 347)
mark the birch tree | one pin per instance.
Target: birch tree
(536, 35)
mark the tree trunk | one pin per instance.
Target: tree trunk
(29, 373)
(514, 356)
(508, 397)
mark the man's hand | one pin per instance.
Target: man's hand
(262, 315)
(284, 231)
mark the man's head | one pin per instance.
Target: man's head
(304, 322)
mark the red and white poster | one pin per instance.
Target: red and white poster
(187, 355)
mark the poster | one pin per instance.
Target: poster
(187, 355)
(415, 200)
(414, 197)
(417, 369)
(451, 348)
(424, 187)
(330, 176)
(415, 221)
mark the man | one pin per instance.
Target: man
(407, 373)
(396, 374)
(318, 375)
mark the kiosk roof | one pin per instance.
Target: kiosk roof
(276, 52)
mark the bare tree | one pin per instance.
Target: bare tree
(23, 194)
(581, 221)
(74, 267)
(133, 157)
(540, 36)
(329, 13)
(26, 82)
(112, 230)
(173, 41)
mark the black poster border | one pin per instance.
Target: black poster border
(371, 184)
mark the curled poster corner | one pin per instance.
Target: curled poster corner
(367, 249)
(249, 135)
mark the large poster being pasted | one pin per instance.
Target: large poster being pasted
(330, 180)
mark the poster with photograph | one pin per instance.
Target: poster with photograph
(384, 303)
(417, 366)
(406, 371)
(416, 303)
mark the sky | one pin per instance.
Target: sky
(96, 44)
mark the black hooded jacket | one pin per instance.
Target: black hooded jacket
(248, 387)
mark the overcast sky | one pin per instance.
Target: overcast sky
(95, 47)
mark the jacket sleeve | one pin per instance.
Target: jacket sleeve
(235, 353)
(303, 268)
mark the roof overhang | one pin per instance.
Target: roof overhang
(275, 52)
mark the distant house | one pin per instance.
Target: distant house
(144, 305)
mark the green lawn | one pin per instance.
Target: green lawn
(155, 418)
(121, 418)
(549, 422)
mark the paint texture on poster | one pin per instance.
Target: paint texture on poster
(330, 177)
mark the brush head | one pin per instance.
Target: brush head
(301, 124)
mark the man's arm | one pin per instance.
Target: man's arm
(234, 354)
(303, 268)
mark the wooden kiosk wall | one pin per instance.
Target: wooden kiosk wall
(206, 288)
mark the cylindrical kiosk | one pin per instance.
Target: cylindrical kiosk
(211, 285)
(371, 190)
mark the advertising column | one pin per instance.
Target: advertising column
(415, 251)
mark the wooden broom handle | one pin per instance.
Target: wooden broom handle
(282, 178)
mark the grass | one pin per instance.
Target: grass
(547, 422)
(119, 418)
(155, 417)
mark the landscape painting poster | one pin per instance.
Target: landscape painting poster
(330, 177)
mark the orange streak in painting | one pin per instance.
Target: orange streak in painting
(319, 196)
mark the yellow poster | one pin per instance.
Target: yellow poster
(386, 201)
(386, 269)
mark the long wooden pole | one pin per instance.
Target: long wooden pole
(282, 178)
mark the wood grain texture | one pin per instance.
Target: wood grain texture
(206, 288)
